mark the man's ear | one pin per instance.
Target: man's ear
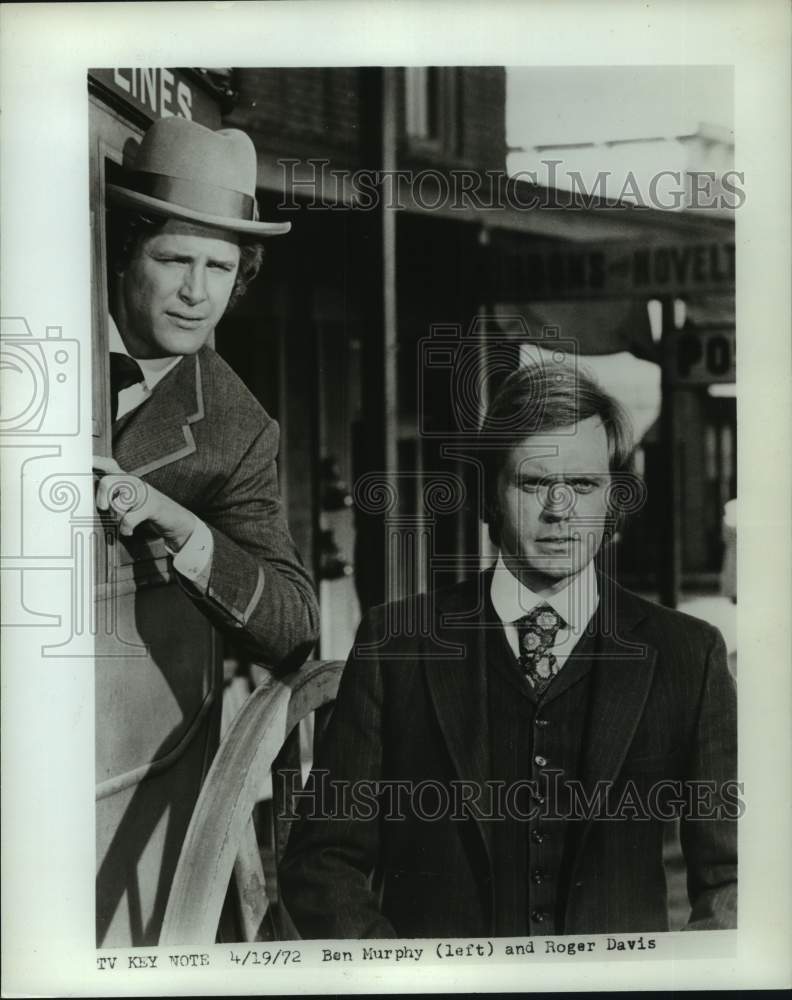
(491, 517)
(626, 496)
(611, 526)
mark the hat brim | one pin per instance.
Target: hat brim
(128, 197)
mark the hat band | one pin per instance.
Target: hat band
(195, 195)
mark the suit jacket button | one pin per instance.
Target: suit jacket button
(540, 760)
(541, 723)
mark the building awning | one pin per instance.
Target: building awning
(709, 311)
(607, 326)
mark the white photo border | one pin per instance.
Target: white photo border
(47, 703)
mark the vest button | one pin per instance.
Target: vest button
(537, 836)
(540, 760)
(539, 916)
(538, 876)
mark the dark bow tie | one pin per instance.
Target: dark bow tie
(124, 372)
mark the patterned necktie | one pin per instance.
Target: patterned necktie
(537, 633)
(124, 371)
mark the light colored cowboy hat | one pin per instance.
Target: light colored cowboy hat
(186, 171)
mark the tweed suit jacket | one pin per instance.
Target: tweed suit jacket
(414, 708)
(203, 440)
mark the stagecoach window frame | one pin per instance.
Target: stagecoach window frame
(138, 562)
(132, 579)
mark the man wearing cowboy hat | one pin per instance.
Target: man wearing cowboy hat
(194, 452)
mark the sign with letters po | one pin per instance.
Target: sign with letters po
(700, 357)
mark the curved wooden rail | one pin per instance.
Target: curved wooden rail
(222, 814)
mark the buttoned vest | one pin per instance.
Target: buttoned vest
(536, 745)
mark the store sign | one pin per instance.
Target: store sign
(622, 271)
(700, 357)
(160, 93)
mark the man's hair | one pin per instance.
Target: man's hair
(545, 397)
(127, 229)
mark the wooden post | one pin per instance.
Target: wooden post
(376, 257)
(390, 332)
(670, 569)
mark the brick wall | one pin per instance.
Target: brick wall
(291, 109)
(483, 94)
(299, 111)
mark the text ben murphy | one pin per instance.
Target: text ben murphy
(486, 949)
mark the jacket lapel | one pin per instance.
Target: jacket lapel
(458, 685)
(624, 669)
(159, 432)
(622, 676)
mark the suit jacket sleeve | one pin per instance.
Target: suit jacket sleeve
(258, 587)
(709, 842)
(325, 877)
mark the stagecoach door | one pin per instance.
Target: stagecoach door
(158, 664)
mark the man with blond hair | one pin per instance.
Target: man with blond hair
(513, 771)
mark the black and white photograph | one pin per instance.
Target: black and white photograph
(377, 537)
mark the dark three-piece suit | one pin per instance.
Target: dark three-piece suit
(203, 440)
(644, 703)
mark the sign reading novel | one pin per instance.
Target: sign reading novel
(620, 271)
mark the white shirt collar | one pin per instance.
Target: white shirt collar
(153, 369)
(576, 603)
